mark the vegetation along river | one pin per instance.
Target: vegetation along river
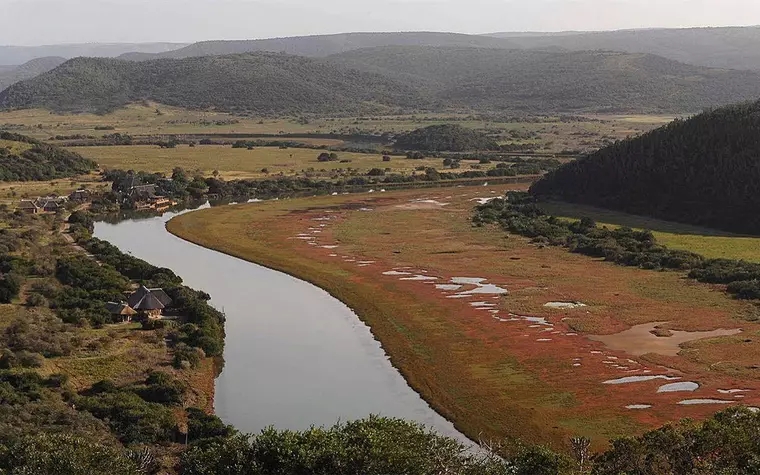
(294, 355)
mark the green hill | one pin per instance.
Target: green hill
(26, 159)
(704, 171)
(555, 81)
(13, 74)
(731, 47)
(391, 78)
(260, 82)
(445, 138)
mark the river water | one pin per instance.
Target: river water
(294, 355)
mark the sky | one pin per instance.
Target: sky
(37, 22)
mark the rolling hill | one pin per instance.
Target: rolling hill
(704, 171)
(732, 48)
(487, 78)
(376, 79)
(260, 82)
(326, 45)
(33, 68)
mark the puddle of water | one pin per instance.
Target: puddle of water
(678, 387)
(732, 391)
(448, 286)
(483, 201)
(640, 379)
(693, 402)
(458, 296)
(536, 320)
(419, 278)
(396, 272)
(329, 247)
(544, 339)
(639, 339)
(489, 289)
(638, 406)
(467, 280)
(564, 305)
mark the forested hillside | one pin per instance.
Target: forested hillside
(24, 159)
(33, 68)
(391, 78)
(705, 171)
(731, 47)
(556, 81)
(325, 45)
(260, 82)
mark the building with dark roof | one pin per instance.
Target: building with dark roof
(149, 302)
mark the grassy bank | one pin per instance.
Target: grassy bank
(492, 378)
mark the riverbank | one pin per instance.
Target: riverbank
(504, 365)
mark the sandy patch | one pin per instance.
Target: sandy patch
(639, 339)
(422, 205)
(396, 272)
(564, 305)
(694, 402)
(638, 406)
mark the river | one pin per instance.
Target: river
(294, 355)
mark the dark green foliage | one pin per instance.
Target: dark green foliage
(130, 417)
(520, 213)
(88, 287)
(84, 219)
(374, 446)
(205, 426)
(258, 82)
(162, 388)
(64, 454)
(131, 267)
(41, 162)
(445, 138)
(725, 444)
(705, 171)
(10, 284)
(540, 81)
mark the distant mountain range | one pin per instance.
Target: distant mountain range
(391, 78)
(16, 55)
(733, 47)
(326, 45)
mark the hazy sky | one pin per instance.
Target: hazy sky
(34, 22)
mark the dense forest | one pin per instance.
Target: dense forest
(535, 80)
(445, 138)
(25, 159)
(388, 79)
(260, 82)
(704, 171)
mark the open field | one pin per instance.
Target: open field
(234, 163)
(550, 135)
(707, 242)
(499, 364)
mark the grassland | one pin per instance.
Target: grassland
(492, 377)
(234, 163)
(548, 134)
(707, 242)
